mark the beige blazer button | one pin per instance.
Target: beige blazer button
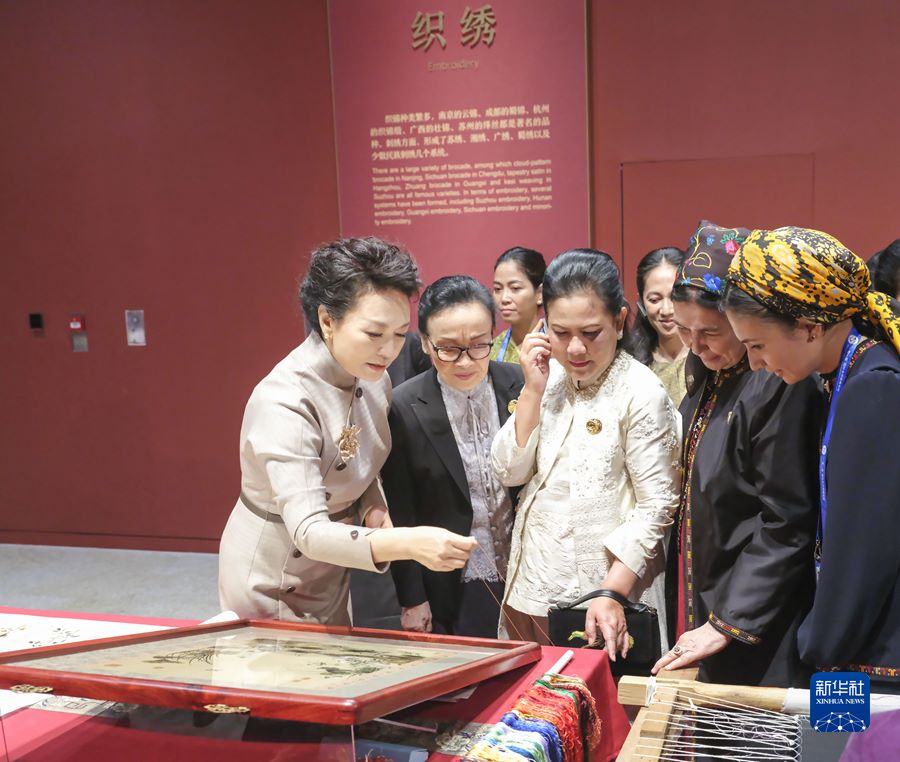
(297, 553)
(354, 534)
(290, 589)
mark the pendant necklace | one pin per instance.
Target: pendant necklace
(348, 444)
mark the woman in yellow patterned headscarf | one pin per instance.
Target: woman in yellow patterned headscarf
(801, 303)
(808, 275)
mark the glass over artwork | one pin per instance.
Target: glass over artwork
(266, 659)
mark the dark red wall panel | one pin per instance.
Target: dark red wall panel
(175, 157)
(712, 80)
(178, 157)
(660, 199)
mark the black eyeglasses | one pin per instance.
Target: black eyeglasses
(452, 354)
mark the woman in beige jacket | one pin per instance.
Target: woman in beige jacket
(314, 437)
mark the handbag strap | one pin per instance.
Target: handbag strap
(602, 593)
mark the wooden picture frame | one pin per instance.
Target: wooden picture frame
(281, 670)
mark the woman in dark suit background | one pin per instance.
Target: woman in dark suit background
(438, 473)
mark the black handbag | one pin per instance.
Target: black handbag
(643, 626)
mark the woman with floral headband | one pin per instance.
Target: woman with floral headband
(802, 305)
(740, 562)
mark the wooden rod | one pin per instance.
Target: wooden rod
(634, 691)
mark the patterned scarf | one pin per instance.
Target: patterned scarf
(811, 275)
(708, 255)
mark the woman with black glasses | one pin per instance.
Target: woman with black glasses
(438, 472)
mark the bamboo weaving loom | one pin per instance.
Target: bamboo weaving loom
(685, 720)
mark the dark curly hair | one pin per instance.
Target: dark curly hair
(340, 271)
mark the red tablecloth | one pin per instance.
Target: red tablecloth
(35, 735)
(493, 698)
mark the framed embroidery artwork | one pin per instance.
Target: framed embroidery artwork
(302, 672)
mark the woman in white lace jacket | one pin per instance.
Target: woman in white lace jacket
(596, 441)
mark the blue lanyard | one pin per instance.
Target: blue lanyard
(506, 337)
(843, 369)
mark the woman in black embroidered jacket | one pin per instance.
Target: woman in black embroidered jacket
(740, 562)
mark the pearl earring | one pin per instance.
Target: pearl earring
(620, 334)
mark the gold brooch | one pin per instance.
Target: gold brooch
(594, 426)
(511, 407)
(348, 444)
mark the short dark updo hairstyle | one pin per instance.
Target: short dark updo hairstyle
(341, 271)
(579, 270)
(529, 261)
(452, 291)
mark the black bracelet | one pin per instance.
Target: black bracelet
(617, 597)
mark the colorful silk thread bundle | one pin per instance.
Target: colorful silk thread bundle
(553, 721)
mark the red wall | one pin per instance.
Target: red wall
(173, 156)
(177, 156)
(708, 79)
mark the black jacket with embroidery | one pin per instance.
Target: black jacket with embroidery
(753, 507)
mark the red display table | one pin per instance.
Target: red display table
(39, 735)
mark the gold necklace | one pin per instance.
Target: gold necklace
(348, 443)
(589, 390)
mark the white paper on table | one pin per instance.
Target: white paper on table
(21, 631)
(224, 616)
(10, 702)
